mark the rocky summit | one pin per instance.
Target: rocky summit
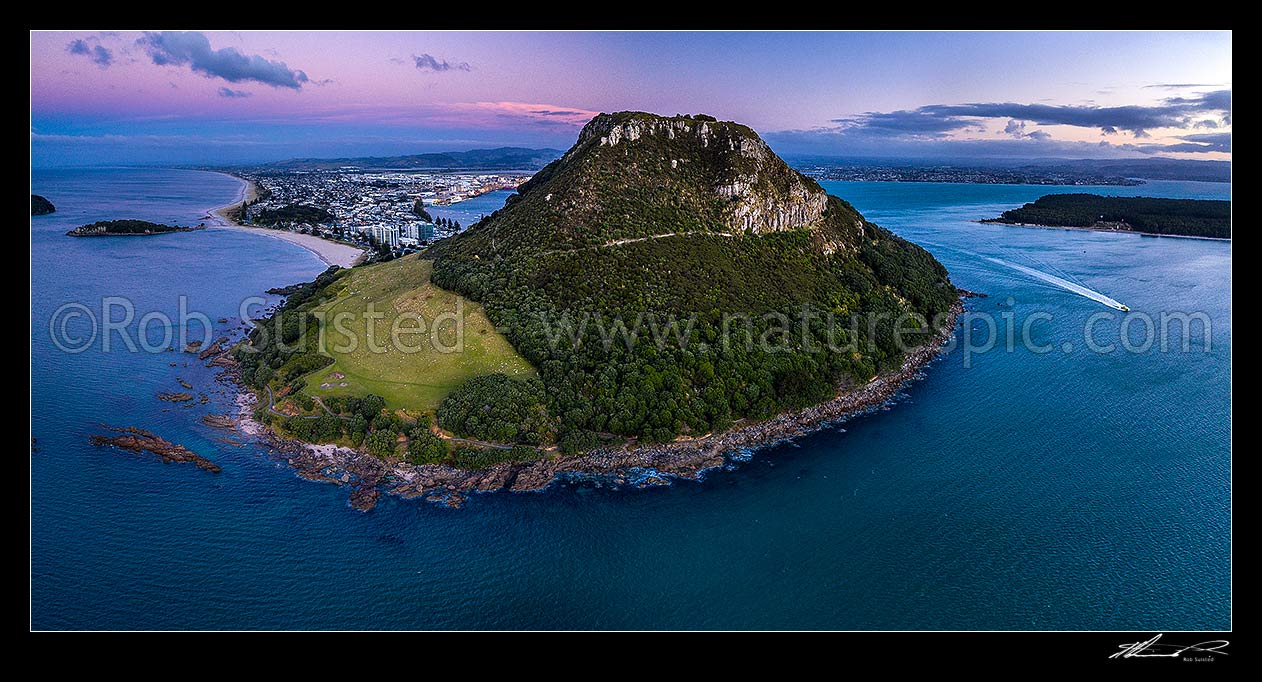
(633, 175)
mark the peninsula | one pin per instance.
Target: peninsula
(763, 308)
(331, 252)
(127, 228)
(1204, 218)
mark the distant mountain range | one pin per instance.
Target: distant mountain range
(500, 158)
(1021, 171)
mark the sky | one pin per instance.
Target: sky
(221, 97)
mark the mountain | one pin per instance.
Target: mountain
(666, 277)
(684, 218)
(501, 158)
(41, 206)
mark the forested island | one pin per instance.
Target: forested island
(41, 206)
(1145, 215)
(646, 218)
(127, 228)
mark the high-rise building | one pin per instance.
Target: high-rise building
(382, 234)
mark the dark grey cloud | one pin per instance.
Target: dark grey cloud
(1039, 135)
(1206, 123)
(1218, 100)
(1183, 86)
(1218, 142)
(937, 120)
(192, 49)
(233, 94)
(427, 62)
(99, 54)
(905, 122)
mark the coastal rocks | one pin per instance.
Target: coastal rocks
(219, 421)
(182, 382)
(213, 349)
(286, 290)
(175, 397)
(138, 440)
(223, 360)
(364, 497)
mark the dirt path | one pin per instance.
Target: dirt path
(620, 242)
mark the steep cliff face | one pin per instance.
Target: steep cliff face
(758, 190)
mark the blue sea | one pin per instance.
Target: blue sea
(470, 211)
(1005, 490)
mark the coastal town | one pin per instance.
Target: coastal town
(382, 212)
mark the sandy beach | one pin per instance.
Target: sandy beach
(332, 253)
(992, 221)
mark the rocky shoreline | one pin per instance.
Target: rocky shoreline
(625, 465)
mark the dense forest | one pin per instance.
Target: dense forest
(498, 408)
(41, 206)
(291, 214)
(105, 228)
(1187, 217)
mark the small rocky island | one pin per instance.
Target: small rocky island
(1205, 218)
(41, 206)
(127, 228)
(137, 440)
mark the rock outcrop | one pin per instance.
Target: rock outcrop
(133, 439)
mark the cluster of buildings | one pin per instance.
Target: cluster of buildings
(372, 207)
(412, 233)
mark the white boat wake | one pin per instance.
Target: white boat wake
(1062, 283)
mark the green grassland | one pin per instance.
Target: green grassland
(419, 371)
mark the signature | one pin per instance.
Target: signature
(1153, 648)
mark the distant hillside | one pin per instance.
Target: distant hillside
(1014, 171)
(500, 158)
(1149, 169)
(1184, 217)
(41, 206)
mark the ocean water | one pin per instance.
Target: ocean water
(470, 211)
(1058, 490)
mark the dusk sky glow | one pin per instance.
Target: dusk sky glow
(225, 97)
